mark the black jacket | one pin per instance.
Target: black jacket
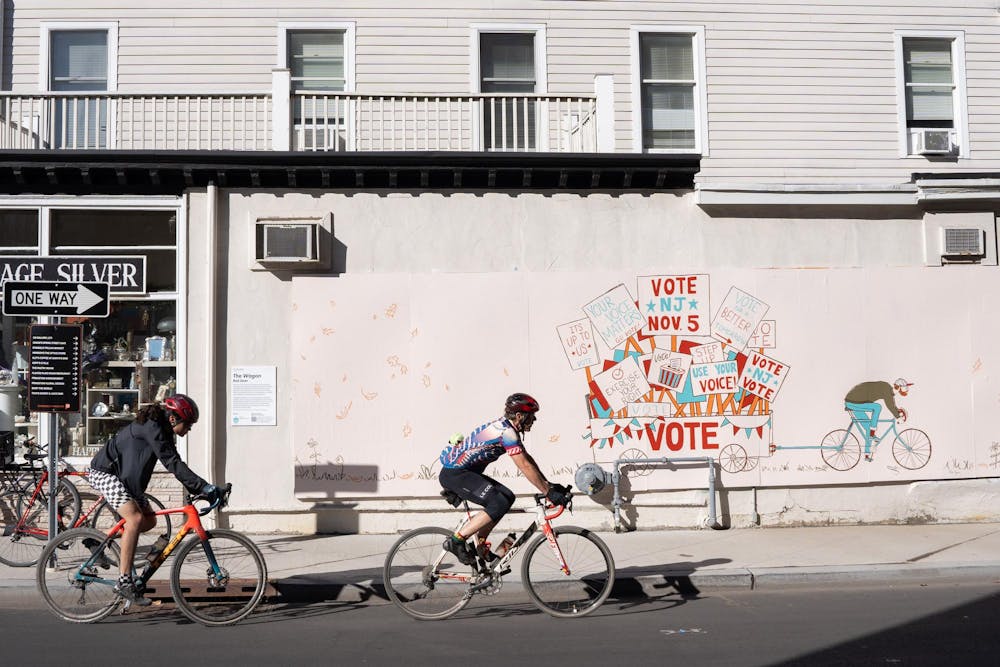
(131, 454)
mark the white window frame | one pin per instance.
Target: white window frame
(541, 65)
(45, 31)
(697, 34)
(346, 27)
(961, 103)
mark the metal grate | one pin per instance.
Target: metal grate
(964, 241)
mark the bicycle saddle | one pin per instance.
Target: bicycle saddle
(451, 497)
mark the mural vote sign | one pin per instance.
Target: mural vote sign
(738, 318)
(622, 383)
(674, 305)
(762, 376)
(577, 339)
(614, 316)
(719, 377)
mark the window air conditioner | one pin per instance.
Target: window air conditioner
(934, 142)
(287, 243)
(960, 243)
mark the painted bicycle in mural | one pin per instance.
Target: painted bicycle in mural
(841, 448)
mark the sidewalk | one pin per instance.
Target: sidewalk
(654, 563)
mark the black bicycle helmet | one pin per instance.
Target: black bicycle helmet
(520, 403)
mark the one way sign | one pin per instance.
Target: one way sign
(36, 299)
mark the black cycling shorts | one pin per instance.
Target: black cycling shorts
(477, 488)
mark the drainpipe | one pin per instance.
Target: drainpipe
(211, 283)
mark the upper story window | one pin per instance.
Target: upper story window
(320, 60)
(510, 70)
(316, 59)
(931, 82)
(77, 58)
(668, 89)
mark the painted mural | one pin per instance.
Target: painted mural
(783, 378)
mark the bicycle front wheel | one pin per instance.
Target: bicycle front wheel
(840, 449)
(20, 546)
(912, 449)
(220, 580)
(423, 579)
(582, 587)
(72, 589)
(67, 506)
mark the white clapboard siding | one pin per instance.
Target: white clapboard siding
(798, 90)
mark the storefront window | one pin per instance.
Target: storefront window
(130, 357)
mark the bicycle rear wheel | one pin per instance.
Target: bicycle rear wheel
(580, 591)
(912, 449)
(423, 579)
(840, 449)
(219, 581)
(73, 592)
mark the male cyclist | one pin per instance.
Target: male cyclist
(121, 470)
(465, 460)
(862, 402)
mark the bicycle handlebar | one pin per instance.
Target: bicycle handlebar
(542, 499)
(221, 501)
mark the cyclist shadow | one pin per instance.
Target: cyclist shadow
(637, 586)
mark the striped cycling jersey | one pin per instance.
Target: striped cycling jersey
(483, 446)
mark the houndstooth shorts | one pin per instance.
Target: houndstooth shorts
(113, 490)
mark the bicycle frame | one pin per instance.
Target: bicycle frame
(40, 482)
(543, 517)
(863, 430)
(192, 524)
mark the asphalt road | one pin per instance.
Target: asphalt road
(932, 624)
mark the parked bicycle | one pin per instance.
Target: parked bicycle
(841, 449)
(24, 510)
(217, 578)
(566, 571)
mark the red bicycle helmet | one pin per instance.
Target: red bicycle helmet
(183, 406)
(520, 403)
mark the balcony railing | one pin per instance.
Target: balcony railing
(351, 122)
(284, 120)
(106, 121)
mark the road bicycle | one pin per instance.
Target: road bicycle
(24, 511)
(217, 578)
(841, 449)
(566, 571)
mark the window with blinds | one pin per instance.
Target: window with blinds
(316, 59)
(667, 79)
(78, 63)
(930, 82)
(507, 66)
(316, 64)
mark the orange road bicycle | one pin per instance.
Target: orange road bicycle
(566, 571)
(217, 578)
(24, 510)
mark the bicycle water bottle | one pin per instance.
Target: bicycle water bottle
(157, 548)
(505, 545)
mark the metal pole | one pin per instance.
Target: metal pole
(53, 467)
(616, 480)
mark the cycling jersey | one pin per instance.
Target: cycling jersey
(131, 454)
(483, 446)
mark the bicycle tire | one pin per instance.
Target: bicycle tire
(840, 449)
(70, 598)
(208, 601)
(105, 517)
(733, 458)
(67, 505)
(590, 579)
(410, 584)
(912, 449)
(21, 542)
(18, 548)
